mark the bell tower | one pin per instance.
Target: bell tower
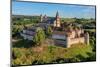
(41, 18)
(57, 20)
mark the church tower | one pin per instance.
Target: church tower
(41, 18)
(45, 18)
(58, 23)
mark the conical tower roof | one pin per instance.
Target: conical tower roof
(57, 14)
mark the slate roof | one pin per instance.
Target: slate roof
(51, 20)
(59, 32)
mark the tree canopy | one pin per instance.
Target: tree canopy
(39, 36)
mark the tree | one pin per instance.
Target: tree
(39, 36)
(93, 43)
(77, 20)
(49, 31)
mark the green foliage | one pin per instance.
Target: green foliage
(39, 36)
(53, 54)
(16, 30)
(78, 20)
(93, 43)
(24, 20)
(50, 48)
(49, 31)
(92, 56)
(23, 56)
(68, 20)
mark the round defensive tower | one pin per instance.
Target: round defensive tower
(87, 38)
(67, 41)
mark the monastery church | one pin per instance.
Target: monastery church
(60, 33)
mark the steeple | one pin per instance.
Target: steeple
(41, 18)
(45, 16)
(57, 15)
(58, 23)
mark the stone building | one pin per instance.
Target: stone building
(71, 37)
(51, 21)
(65, 36)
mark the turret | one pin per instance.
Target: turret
(87, 38)
(41, 18)
(67, 41)
(45, 18)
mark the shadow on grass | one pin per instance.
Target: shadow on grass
(92, 56)
(23, 43)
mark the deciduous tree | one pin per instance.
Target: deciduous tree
(39, 36)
